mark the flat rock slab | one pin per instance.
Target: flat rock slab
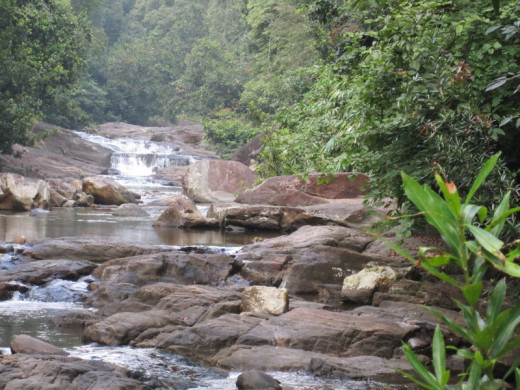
(29, 345)
(172, 267)
(307, 329)
(168, 304)
(40, 272)
(61, 155)
(87, 249)
(51, 372)
(310, 236)
(271, 358)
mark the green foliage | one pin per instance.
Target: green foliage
(211, 80)
(227, 132)
(491, 335)
(41, 52)
(404, 88)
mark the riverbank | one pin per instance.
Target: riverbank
(194, 301)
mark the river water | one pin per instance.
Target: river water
(133, 164)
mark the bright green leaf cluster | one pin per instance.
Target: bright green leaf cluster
(473, 247)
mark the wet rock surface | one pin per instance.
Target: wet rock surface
(183, 213)
(41, 272)
(51, 372)
(193, 303)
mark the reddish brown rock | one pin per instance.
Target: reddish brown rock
(296, 191)
(213, 180)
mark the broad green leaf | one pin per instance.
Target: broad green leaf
(487, 240)
(472, 293)
(462, 331)
(512, 255)
(474, 375)
(482, 175)
(436, 211)
(439, 357)
(502, 218)
(434, 261)
(429, 379)
(482, 213)
(495, 303)
(505, 266)
(497, 83)
(440, 275)
(469, 211)
(499, 211)
(504, 334)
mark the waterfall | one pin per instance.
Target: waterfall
(139, 158)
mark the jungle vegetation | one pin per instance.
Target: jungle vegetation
(367, 86)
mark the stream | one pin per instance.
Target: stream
(133, 165)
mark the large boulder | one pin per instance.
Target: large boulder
(19, 193)
(295, 191)
(107, 191)
(51, 372)
(307, 259)
(172, 267)
(209, 181)
(60, 154)
(29, 345)
(40, 272)
(183, 213)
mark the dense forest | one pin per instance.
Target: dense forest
(333, 85)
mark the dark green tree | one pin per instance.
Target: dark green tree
(42, 46)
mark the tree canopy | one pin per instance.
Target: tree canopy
(41, 51)
(346, 85)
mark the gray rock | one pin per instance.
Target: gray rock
(19, 193)
(62, 154)
(182, 213)
(172, 267)
(84, 200)
(129, 210)
(87, 249)
(296, 191)
(40, 272)
(257, 380)
(38, 212)
(54, 372)
(30, 345)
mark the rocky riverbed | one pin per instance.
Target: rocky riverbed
(322, 296)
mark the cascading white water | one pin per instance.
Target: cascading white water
(138, 158)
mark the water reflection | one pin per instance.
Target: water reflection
(32, 318)
(101, 224)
